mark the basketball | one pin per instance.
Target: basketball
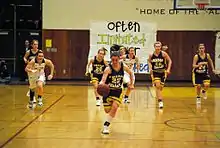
(103, 90)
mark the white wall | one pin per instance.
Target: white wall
(76, 14)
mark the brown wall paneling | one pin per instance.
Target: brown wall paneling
(73, 48)
(79, 51)
(72, 52)
(182, 48)
(60, 40)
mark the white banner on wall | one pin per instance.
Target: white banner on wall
(217, 51)
(127, 33)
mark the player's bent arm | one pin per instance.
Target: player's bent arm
(167, 57)
(51, 65)
(210, 61)
(29, 66)
(137, 63)
(106, 63)
(107, 71)
(27, 53)
(89, 64)
(130, 73)
(149, 62)
(195, 59)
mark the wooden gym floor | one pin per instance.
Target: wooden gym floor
(70, 119)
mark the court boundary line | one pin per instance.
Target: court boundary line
(167, 123)
(30, 122)
(213, 132)
(78, 138)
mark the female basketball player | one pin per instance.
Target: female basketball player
(157, 66)
(35, 70)
(123, 51)
(130, 59)
(164, 48)
(29, 55)
(115, 74)
(200, 72)
(98, 67)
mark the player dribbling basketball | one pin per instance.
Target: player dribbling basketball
(115, 74)
(35, 70)
(129, 59)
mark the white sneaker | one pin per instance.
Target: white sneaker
(126, 100)
(161, 104)
(105, 130)
(31, 104)
(40, 103)
(98, 102)
(34, 100)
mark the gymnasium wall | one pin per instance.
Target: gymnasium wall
(66, 30)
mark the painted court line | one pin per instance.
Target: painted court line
(27, 125)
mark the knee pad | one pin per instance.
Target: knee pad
(125, 85)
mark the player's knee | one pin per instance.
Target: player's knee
(129, 89)
(157, 85)
(198, 86)
(125, 85)
(161, 86)
(115, 106)
(40, 84)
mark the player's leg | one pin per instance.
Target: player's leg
(197, 82)
(163, 80)
(206, 83)
(128, 90)
(163, 77)
(157, 83)
(152, 79)
(40, 89)
(95, 85)
(95, 82)
(107, 108)
(28, 93)
(125, 86)
(111, 114)
(114, 100)
(32, 85)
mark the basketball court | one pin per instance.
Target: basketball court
(69, 117)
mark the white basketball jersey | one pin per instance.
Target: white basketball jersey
(129, 62)
(39, 66)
